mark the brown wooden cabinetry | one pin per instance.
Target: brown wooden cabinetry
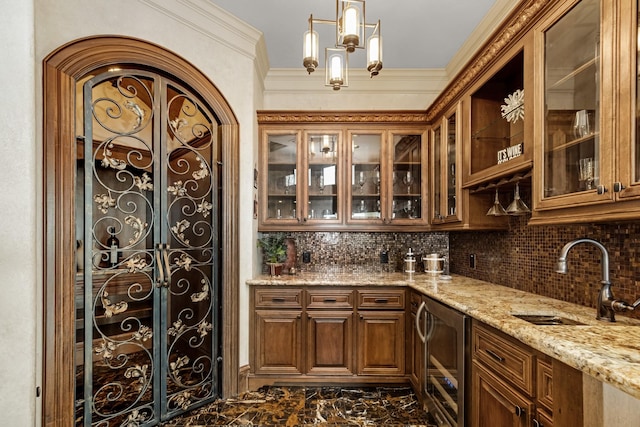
(329, 333)
(512, 384)
(415, 355)
(586, 115)
(381, 338)
(307, 334)
(342, 170)
(278, 331)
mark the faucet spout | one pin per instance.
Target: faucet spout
(562, 260)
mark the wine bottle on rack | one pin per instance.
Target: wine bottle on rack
(113, 243)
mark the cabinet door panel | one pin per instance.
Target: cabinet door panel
(329, 343)
(278, 342)
(381, 343)
(494, 404)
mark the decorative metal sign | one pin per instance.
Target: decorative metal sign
(513, 108)
(510, 153)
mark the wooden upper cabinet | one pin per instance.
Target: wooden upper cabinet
(499, 142)
(342, 171)
(446, 158)
(586, 105)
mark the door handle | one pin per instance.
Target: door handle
(418, 316)
(167, 265)
(160, 281)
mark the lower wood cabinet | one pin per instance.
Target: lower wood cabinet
(381, 343)
(278, 339)
(495, 403)
(514, 385)
(327, 335)
(329, 342)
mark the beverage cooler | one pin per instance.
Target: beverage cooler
(445, 334)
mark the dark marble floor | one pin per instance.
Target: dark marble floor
(318, 406)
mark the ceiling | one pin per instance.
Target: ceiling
(416, 34)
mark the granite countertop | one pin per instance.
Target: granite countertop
(609, 352)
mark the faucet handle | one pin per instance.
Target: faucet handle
(635, 304)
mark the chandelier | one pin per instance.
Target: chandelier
(350, 25)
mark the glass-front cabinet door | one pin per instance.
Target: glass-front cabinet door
(408, 186)
(323, 176)
(577, 153)
(627, 185)
(281, 168)
(365, 203)
(436, 168)
(445, 182)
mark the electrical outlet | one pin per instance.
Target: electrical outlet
(306, 257)
(472, 261)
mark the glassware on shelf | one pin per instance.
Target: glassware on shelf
(361, 181)
(376, 181)
(586, 172)
(408, 180)
(518, 206)
(496, 209)
(321, 183)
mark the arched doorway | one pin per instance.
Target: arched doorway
(128, 66)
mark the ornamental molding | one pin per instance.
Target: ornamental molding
(518, 23)
(289, 117)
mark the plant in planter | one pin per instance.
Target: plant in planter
(274, 250)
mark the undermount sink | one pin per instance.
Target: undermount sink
(547, 319)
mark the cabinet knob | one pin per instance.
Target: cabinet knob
(601, 189)
(618, 187)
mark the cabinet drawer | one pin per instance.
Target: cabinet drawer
(510, 360)
(329, 298)
(389, 299)
(278, 298)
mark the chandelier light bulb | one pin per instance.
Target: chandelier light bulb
(350, 21)
(310, 51)
(335, 72)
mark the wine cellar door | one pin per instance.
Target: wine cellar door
(147, 224)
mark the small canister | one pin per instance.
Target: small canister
(410, 263)
(433, 264)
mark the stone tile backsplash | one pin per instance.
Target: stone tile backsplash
(353, 251)
(524, 257)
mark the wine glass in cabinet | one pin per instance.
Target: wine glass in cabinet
(323, 159)
(281, 190)
(408, 183)
(365, 176)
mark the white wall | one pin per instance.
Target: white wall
(19, 238)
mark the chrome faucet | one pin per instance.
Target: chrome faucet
(607, 304)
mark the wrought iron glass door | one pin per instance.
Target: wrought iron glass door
(147, 328)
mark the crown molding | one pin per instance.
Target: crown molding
(513, 28)
(386, 117)
(492, 20)
(210, 20)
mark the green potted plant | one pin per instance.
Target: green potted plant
(274, 250)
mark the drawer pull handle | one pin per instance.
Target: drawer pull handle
(381, 300)
(330, 300)
(495, 355)
(277, 299)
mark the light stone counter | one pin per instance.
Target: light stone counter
(610, 352)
